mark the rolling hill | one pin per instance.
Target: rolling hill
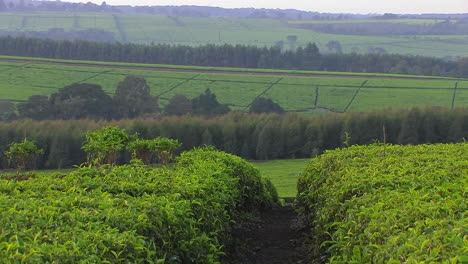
(148, 28)
(300, 91)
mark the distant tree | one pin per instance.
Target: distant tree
(334, 46)
(81, 100)
(38, 107)
(133, 98)
(178, 105)
(311, 57)
(3, 7)
(6, 106)
(7, 111)
(410, 134)
(265, 105)
(206, 104)
(463, 67)
(207, 138)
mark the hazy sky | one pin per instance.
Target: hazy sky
(331, 6)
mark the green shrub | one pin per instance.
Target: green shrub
(124, 214)
(21, 154)
(103, 145)
(160, 147)
(253, 193)
(407, 206)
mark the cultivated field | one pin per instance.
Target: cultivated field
(145, 28)
(295, 91)
(393, 204)
(283, 174)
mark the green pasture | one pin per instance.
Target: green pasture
(294, 91)
(146, 28)
(347, 21)
(283, 174)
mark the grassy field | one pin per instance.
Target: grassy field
(283, 174)
(293, 90)
(145, 28)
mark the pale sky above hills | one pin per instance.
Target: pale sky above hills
(329, 6)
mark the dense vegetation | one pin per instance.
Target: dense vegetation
(261, 137)
(387, 204)
(244, 56)
(130, 213)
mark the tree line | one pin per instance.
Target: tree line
(242, 56)
(132, 99)
(251, 136)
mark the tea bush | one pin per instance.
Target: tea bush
(405, 204)
(126, 214)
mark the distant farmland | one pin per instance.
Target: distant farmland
(146, 28)
(293, 90)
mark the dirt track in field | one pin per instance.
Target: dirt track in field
(275, 238)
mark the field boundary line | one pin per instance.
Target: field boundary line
(14, 68)
(93, 76)
(354, 97)
(454, 95)
(265, 91)
(177, 85)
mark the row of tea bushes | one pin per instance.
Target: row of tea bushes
(130, 213)
(388, 204)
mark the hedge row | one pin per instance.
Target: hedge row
(393, 204)
(130, 213)
(260, 137)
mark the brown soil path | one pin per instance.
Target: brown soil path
(275, 238)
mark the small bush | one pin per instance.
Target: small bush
(22, 154)
(103, 145)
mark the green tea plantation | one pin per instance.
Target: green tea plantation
(131, 213)
(388, 204)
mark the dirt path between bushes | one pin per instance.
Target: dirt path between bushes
(275, 238)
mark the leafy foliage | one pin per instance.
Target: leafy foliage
(407, 205)
(253, 192)
(38, 107)
(206, 104)
(126, 214)
(265, 105)
(22, 153)
(249, 56)
(178, 105)
(79, 100)
(257, 137)
(133, 97)
(104, 145)
(162, 148)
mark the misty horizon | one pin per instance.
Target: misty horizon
(322, 6)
